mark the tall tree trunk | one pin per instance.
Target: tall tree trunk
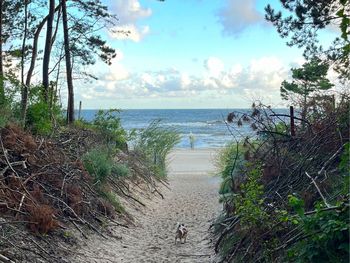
(70, 106)
(47, 51)
(35, 47)
(24, 94)
(2, 88)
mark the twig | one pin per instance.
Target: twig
(330, 159)
(5, 259)
(41, 143)
(40, 247)
(67, 141)
(127, 195)
(155, 190)
(81, 231)
(6, 158)
(318, 189)
(322, 210)
(4, 171)
(193, 255)
(23, 163)
(21, 203)
(96, 230)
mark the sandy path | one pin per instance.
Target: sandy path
(191, 199)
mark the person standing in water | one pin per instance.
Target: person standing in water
(192, 139)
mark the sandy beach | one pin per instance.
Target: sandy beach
(191, 198)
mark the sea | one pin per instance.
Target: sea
(208, 126)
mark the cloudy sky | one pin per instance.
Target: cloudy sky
(191, 54)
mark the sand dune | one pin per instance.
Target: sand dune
(192, 198)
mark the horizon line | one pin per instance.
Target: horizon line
(172, 108)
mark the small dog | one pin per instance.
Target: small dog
(181, 233)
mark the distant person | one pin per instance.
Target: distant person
(192, 139)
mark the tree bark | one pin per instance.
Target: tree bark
(2, 88)
(70, 106)
(35, 47)
(24, 93)
(47, 51)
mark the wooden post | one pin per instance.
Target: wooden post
(292, 126)
(333, 102)
(79, 112)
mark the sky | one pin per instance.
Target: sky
(191, 54)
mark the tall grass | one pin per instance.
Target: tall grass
(229, 159)
(154, 143)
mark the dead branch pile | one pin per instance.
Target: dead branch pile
(44, 189)
(303, 162)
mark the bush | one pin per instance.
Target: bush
(108, 123)
(5, 116)
(41, 116)
(39, 119)
(325, 234)
(310, 167)
(248, 203)
(82, 124)
(99, 165)
(120, 170)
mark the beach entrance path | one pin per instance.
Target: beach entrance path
(192, 199)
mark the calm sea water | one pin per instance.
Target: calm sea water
(207, 125)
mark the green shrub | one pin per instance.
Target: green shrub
(5, 115)
(325, 234)
(99, 164)
(39, 119)
(120, 170)
(249, 202)
(41, 115)
(108, 123)
(82, 124)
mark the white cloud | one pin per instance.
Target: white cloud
(237, 15)
(260, 78)
(130, 32)
(129, 12)
(116, 72)
(214, 66)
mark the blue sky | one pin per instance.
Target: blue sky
(192, 54)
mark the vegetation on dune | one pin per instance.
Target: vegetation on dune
(154, 143)
(76, 175)
(286, 197)
(285, 192)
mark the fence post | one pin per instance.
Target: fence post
(79, 112)
(292, 125)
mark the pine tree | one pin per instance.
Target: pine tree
(309, 79)
(306, 19)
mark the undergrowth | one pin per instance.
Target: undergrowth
(100, 165)
(286, 199)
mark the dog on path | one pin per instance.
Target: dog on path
(181, 233)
